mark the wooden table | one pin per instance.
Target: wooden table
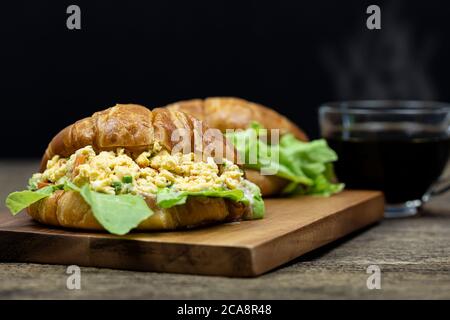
(413, 254)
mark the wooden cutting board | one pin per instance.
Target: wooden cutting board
(291, 228)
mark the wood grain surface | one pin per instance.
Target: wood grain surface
(291, 228)
(413, 254)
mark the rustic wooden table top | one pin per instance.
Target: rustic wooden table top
(413, 254)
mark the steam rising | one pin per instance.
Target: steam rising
(383, 64)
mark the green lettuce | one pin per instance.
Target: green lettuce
(116, 213)
(307, 165)
(19, 200)
(167, 198)
(256, 200)
(119, 214)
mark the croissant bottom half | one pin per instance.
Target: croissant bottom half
(68, 209)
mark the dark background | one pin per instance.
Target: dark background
(289, 55)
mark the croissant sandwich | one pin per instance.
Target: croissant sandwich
(121, 169)
(289, 165)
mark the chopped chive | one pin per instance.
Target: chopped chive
(127, 179)
(117, 185)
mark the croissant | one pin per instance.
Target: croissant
(131, 126)
(235, 113)
(136, 129)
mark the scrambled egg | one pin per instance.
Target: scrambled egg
(116, 172)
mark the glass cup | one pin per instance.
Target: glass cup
(398, 147)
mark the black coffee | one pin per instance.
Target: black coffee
(402, 166)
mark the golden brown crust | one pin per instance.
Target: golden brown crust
(132, 127)
(269, 185)
(235, 113)
(68, 209)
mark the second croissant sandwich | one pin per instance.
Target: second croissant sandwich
(118, 170)
(301, 166)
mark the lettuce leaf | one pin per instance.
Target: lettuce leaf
(167, 198)
(307, 165)
(19, 200)
(118, 214)
(256, 200)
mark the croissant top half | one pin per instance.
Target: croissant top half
(134, 128)
(234, 113)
